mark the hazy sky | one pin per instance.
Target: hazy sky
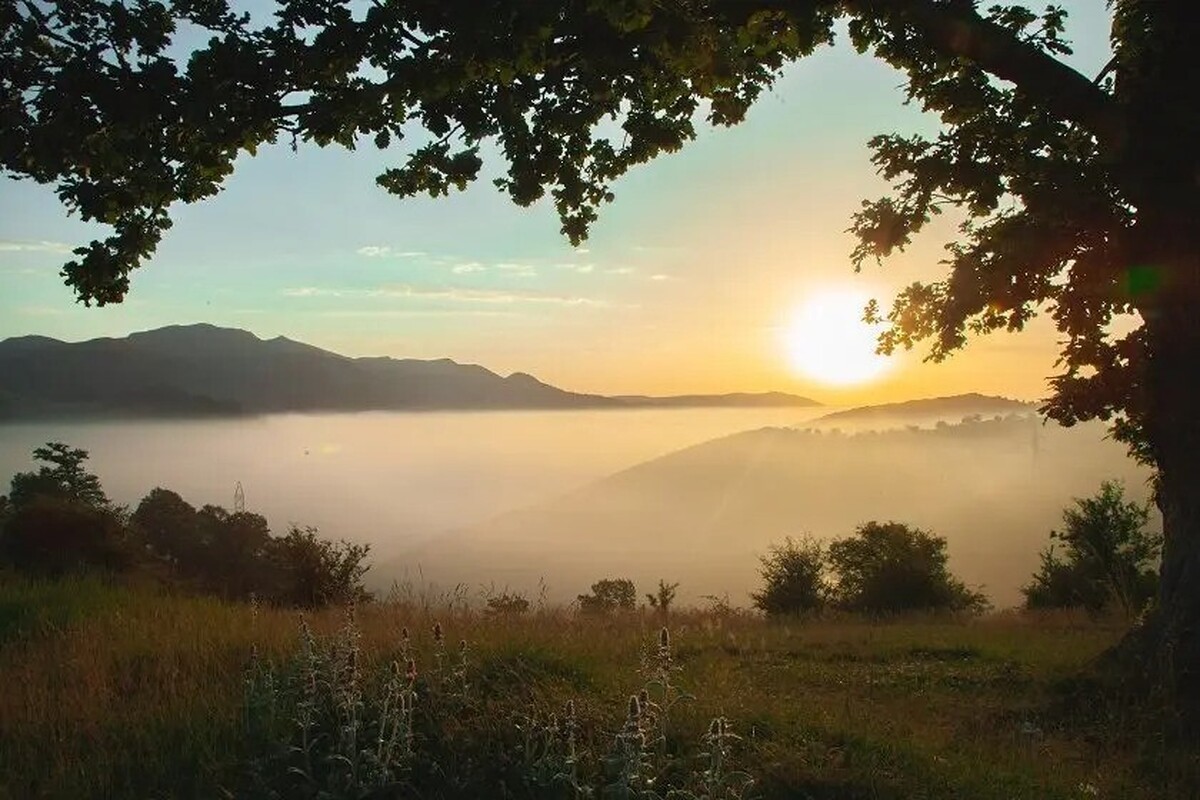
(689, 281)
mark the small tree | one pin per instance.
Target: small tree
(1109, 556)
(794, 576)
(661, 600)
(58, 519)
(313, 572)
(891, 567)
(168, 525)
(608, 595)
(64, 477)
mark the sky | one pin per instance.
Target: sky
(691, 280)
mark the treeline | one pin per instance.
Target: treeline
(1103, 559)
(58, 519)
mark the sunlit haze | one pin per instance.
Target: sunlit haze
(829, 342)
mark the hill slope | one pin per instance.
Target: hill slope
(704, 515)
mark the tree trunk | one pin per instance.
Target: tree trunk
(1158, 85)
(1173, 421)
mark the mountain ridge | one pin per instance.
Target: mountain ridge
(204, 370)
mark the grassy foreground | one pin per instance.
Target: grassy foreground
(130, 692)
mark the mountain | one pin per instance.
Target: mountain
(704, 515)
(204, 370)
(926, 411)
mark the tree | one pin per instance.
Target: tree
(53, 536)
(662, 599)
(59, 520)
(1078, 193)
(63, 478)
(890, 567)
(313, 572)
(167, 524)
(608, 595)
(794, 578)
(1109, 556)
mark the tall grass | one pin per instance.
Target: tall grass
(128, 692)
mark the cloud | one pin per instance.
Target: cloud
(41, 311)
(366, 313)
(520, 270)
(662, 277)
(15, 246)
(582, 269)
(467, 267)
(385, 251)
(449, 294)
(620, 271)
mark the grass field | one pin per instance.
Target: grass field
(119, 692)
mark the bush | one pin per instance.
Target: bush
(891, 567)
(794, 577)
(661, 600)
(54, 535)
(167, 524)
(608, 595)
(58, 519)
(1109, 557)
(312, 572)
(506, 604)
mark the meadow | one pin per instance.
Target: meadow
(132, 692)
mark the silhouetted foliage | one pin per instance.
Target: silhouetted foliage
(314, 572)
(794, 574)
(51, 535)
(1108, 557)
(62, 477)
(507, 604)
(168, 526)
(58, 519)
(662, 599)
(891, 567)
(608, 595)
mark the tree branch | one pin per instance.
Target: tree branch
(955, 28)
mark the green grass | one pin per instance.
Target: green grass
(108, 691)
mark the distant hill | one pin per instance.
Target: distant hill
(704, 515)
(204, 370)
(736, 399)
(951, 409)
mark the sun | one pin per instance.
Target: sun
(828, 341)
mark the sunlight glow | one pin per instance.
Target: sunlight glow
(828, 341)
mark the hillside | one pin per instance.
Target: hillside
(203, 370)
(925, 411)
(704, 515)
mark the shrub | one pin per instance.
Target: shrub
(891, 567)
(794, 576)
(56, 535)
(167, 524)
(1109, 556)
(507, 604)
(608, 595)
(312, 572)
(661, 600)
